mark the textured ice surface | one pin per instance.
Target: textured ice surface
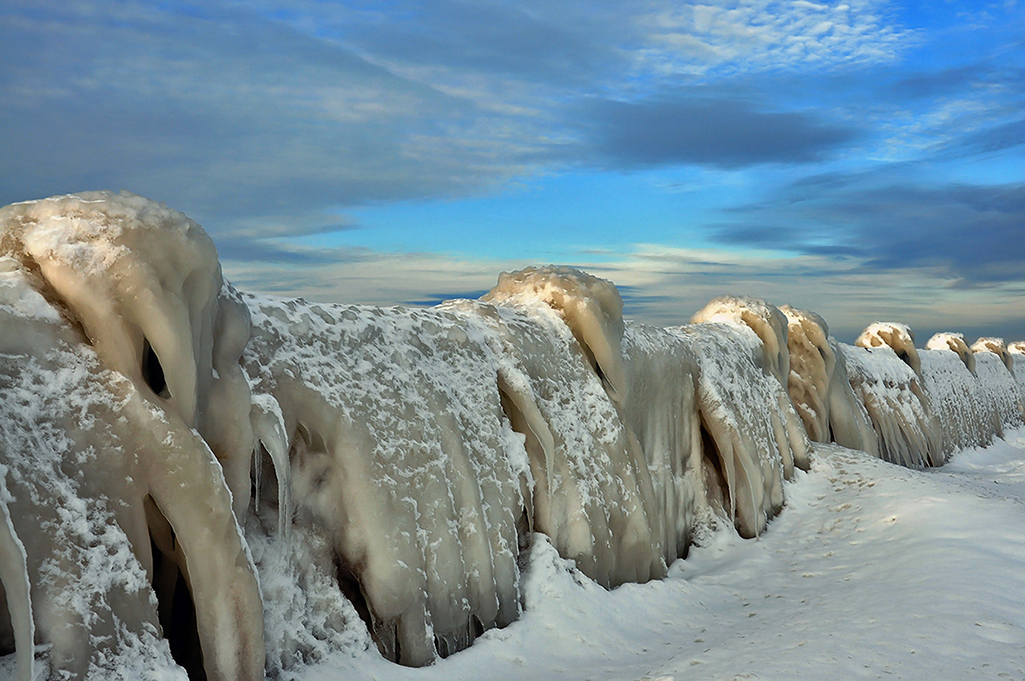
(118, 341)
(896, 336)
(965, 410)
(401, 457)
(768, 323)
(907, 431)
(820, 388)
(755, 446)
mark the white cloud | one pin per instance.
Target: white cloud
(753, 35)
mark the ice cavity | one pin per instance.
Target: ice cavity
(820, 388)
(117, 343)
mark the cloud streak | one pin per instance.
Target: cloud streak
(722, 133)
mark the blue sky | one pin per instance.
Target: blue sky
(864, 159)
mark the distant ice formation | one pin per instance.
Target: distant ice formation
(198, 482)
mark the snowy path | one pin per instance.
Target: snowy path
(872, 571)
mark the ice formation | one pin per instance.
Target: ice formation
(886, 374)
(755, 434)
(767, 321)
(965, 410)
(820, 388)
(994, 364)
(117, 342)
(269, 480)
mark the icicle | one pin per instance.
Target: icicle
(14, 575)
(269, 433)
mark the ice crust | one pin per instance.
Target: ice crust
(393, 469)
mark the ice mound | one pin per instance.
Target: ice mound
(997, 347)
(662, 413)
(994, 364)
(591, 307)
(907, 431)
(820, 388)
(767, 321)
(753, 432)
(401, 457)
(117, 342)
(956, 342)
(896, 336)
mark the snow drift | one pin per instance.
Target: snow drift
(199, 482)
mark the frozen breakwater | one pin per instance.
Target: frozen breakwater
(198, 481)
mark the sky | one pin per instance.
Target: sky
(862, 159)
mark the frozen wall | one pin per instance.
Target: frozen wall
(907, 432)
(965, 410)
(754, 431)
(404, 458)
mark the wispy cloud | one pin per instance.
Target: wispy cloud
(753, 35)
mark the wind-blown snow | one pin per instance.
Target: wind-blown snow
(245, 485)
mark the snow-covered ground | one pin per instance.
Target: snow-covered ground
(871, 571)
